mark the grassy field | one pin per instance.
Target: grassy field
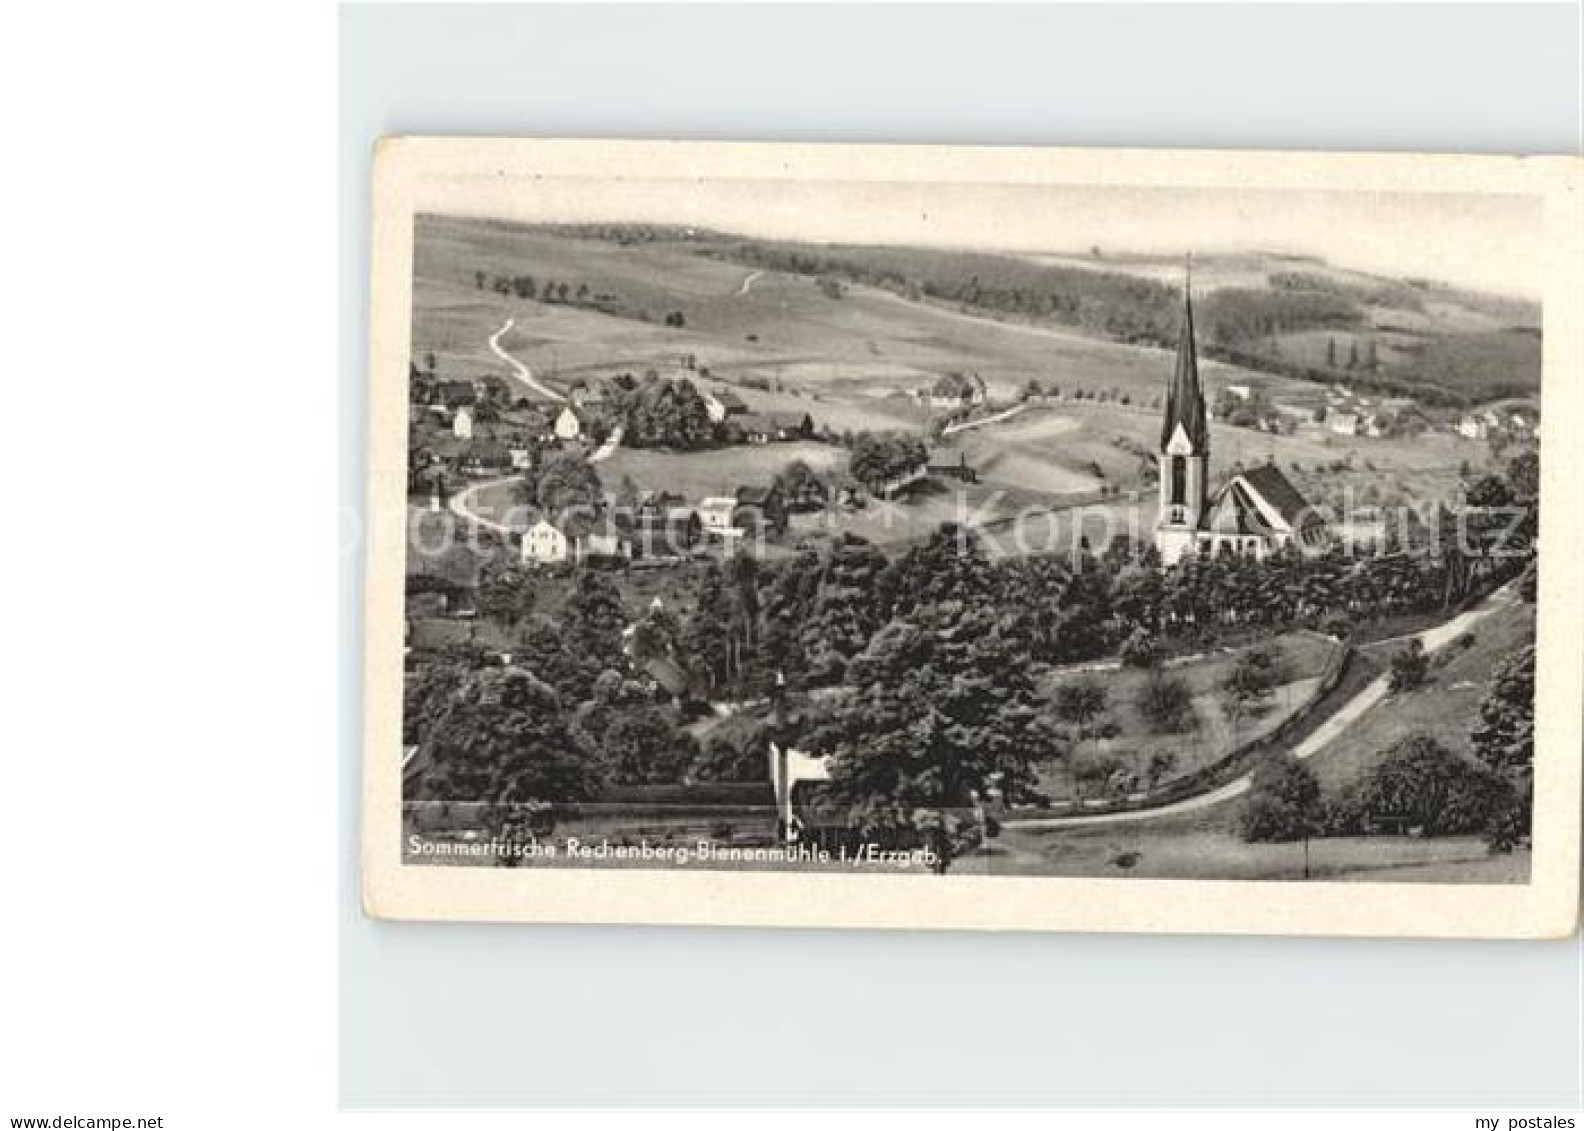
(1446, 708)
(1303, 654)
(1122, 851)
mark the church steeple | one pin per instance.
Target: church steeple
(1185, 405)
(1185, 449)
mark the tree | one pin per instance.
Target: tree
(1141, 650)
(1353, 354)
(1331, 353)
(1081, 704)
(1409, 666)
(1247, 686)
(645, 746)
(505, 592)
(1166, 704)
(1161, 764)
(733, 755)
(802, 488)
(942, 714)
(1504, 743)
(1284, 803)
(562, 481)
(503, 741)
(878, 459)
(1420, 782)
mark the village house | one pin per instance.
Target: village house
(716, 515)
(589, 392)
(671, 532)
(567, 425)
(1343, 423)
(721, 403)
(1474, 428)
(760, 508)
(546, 543)
(462, 424)
(765, 428)
(485, 457)
(455, 394)
(1254, 514)
(492, 388)
(953, 391)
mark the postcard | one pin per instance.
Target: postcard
(974, 537)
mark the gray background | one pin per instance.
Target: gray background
(509, 1016)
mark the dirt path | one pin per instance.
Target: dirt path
(965, 425)
(1322, 736)
(524, 374)
(749, 282)
(608, 448)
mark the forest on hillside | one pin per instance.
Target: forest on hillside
(1240, 325)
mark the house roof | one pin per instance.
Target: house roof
(772, 421)
(728, 399)
(1280, 495)
(1185, 405)
(1241, 517)
(755, 495)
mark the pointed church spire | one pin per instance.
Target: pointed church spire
(1184, 399)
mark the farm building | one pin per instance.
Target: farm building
(765, 428)
(955, 391)
(722, 403)
(462, 424)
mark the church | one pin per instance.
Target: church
(1256, 513)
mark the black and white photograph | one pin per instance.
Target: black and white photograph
(965, 528)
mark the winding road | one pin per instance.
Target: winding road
(524, 374)
(1322, 736)
(749, 282)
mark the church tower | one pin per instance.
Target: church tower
(1184, 448)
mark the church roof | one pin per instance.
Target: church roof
(1277, 490)
(1185, 404)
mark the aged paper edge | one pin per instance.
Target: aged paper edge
(414, 175)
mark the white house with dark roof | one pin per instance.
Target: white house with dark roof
(1257, 512)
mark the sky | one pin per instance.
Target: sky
(1485, 242)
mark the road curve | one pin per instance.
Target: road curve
(524, 374)
(461, 505)
(1322, 736)
(749, 282)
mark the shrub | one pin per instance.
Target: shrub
(1166, 705)
(1422, 783)
(1141, 650)
(1284, 801)
(1338, 625)
(1409, 667)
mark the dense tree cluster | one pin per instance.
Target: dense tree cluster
(661, 412)
(879, 458)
